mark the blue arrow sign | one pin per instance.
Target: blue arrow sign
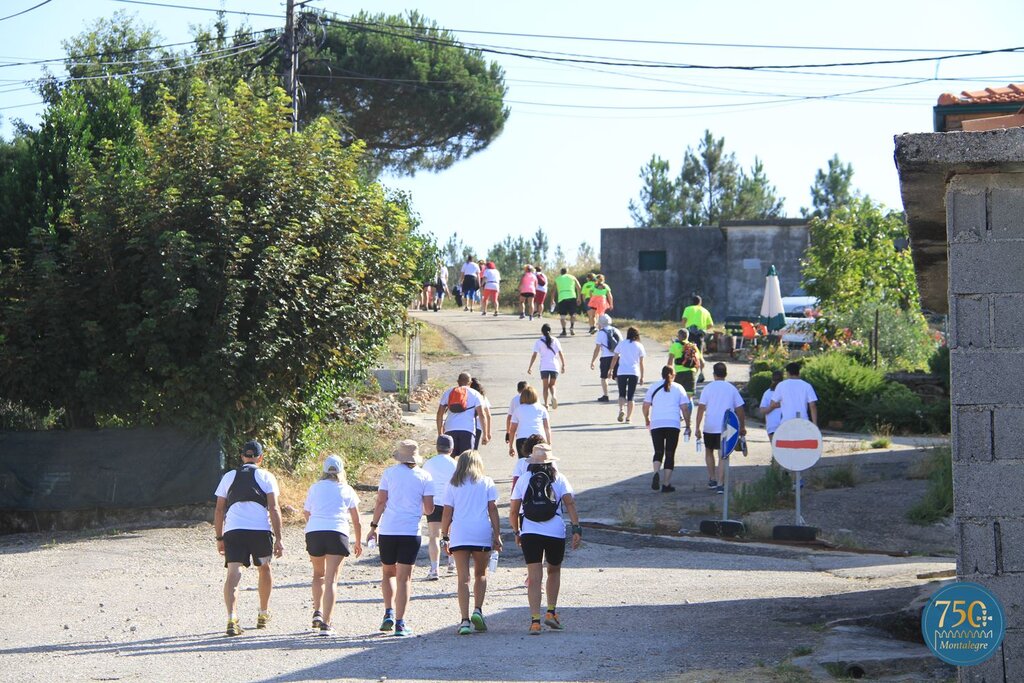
(730, 433)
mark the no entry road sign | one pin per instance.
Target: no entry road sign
(797, 444)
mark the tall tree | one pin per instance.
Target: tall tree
(405, 86)
(539, 244)
(710, 188)
(831, 189)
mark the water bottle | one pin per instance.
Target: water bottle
(743, 446)
(700, 445)
(492, 566)
(686, 436)
(371, 545)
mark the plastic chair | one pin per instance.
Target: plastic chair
(748, 331)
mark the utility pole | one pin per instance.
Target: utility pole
(292, 48)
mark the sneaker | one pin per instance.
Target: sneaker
(604, 399)
(328, 631)
(464, 628)
(233, 628)
(627, 420)
(388, 623)
(484, 313)
(554, 403)
(564, 334)
(478, 622)
(401, 630)
(495, 314)
(668, 489)
(592, 330)
(522, 316)
(318, 619)
(534, 628)
(451, 564)
(656, 481)
(262, 619)
(622, 415)
(712, 484)
(432, 575)
(720, 490)
(531, 318)
(551, 619)
(572, 332)
(465, 308)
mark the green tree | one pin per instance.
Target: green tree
(406, 87)
(710, 188)
(831, 189)
(212, 269)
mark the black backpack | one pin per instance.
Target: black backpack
(540, 502)
(613, 337)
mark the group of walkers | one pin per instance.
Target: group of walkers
(460, 502)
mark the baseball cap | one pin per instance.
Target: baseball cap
(445, 444)
(255, 446)
(333, 464)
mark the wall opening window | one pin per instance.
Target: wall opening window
(653, 260)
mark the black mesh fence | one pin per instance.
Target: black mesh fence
(106, 469)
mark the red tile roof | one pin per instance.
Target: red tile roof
(1014, 92)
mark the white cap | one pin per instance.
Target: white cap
(333, 465)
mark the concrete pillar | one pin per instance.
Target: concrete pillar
(977, 181)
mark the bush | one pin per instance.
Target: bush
(772, 491)
(938, 499)
(842, 385)
(938, 364)
(759, 382)
(904, 342)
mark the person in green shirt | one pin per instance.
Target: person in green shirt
(568, 295)
(587, 291)
(600, 301)
(698, 320)
(687, 363)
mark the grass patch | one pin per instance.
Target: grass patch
(937, 502)
(774, 490)
(434, 343)
(838, 477)
(629, 515)
(837, 670)
(802, 651)
(882, 437)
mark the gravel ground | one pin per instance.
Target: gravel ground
(145, 604)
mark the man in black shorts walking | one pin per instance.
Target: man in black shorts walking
(567, 298)
(716, 399)
(247, 508)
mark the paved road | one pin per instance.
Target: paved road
(145, 604)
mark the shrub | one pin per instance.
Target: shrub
(759, 381)
(904, 342)
(937, 502)
(841, 384)
(772, 491)
(938, 364)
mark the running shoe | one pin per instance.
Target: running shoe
(262, 619)
(401, 630)
(495, 314)
(564, 334)
(522, 316)
(572, 332)
(464, 628)
(592, 330)
(720, 490)
(531, 317)
(484, 313)
(432, 575)
(465, 308)
(554, 403)
(233, 628)
(388, 623)
(451, 564)
(668, 489)
(551, 619)
(318, 619)
(656, 481)
(622, 415)
(712, 484)
(534, 628)
(628, 420)
(328, 631)
(478, 621)
(604, 399)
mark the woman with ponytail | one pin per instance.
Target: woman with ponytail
(548, 348)
(664, 405)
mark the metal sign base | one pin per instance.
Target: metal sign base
(725, 527)
(795, 532)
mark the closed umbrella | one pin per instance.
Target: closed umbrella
(773, 316)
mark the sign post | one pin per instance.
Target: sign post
(726, 527)
(797, 446)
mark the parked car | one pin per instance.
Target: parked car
(798, 331)
(800, 306)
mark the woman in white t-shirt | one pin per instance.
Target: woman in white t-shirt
(492, 284)
(404, 494)
(549, 350)
(470, 529)
(528, 419)
(485, 405)
(772, 415)
(628, 366)
(664, 405)
(330, 505)
(543, 540)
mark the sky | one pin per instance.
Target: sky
(569, 158)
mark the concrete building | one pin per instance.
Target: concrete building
(964, 197)
(653, 272)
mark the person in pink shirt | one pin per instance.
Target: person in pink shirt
(527, 291)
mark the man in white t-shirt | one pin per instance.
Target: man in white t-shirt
(512, 405)
(603, 349)
(458, 413)
(247, 509)
(470, 282)
(795, 397)
(440, 468)
(716, 399)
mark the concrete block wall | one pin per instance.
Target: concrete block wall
(985, 230)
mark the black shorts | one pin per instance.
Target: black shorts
(627, 386)
(242, 544)
(537, 548)
(526, 295)
(471, 548)
(320, 543)
(400, 549)
(435, 516)
(685, 379)
(566, 307)
(469, 284)
(713, 441)
(521, 448)
(606, 365)
(548, 374)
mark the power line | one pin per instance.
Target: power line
(200, 9)
(25, 11)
